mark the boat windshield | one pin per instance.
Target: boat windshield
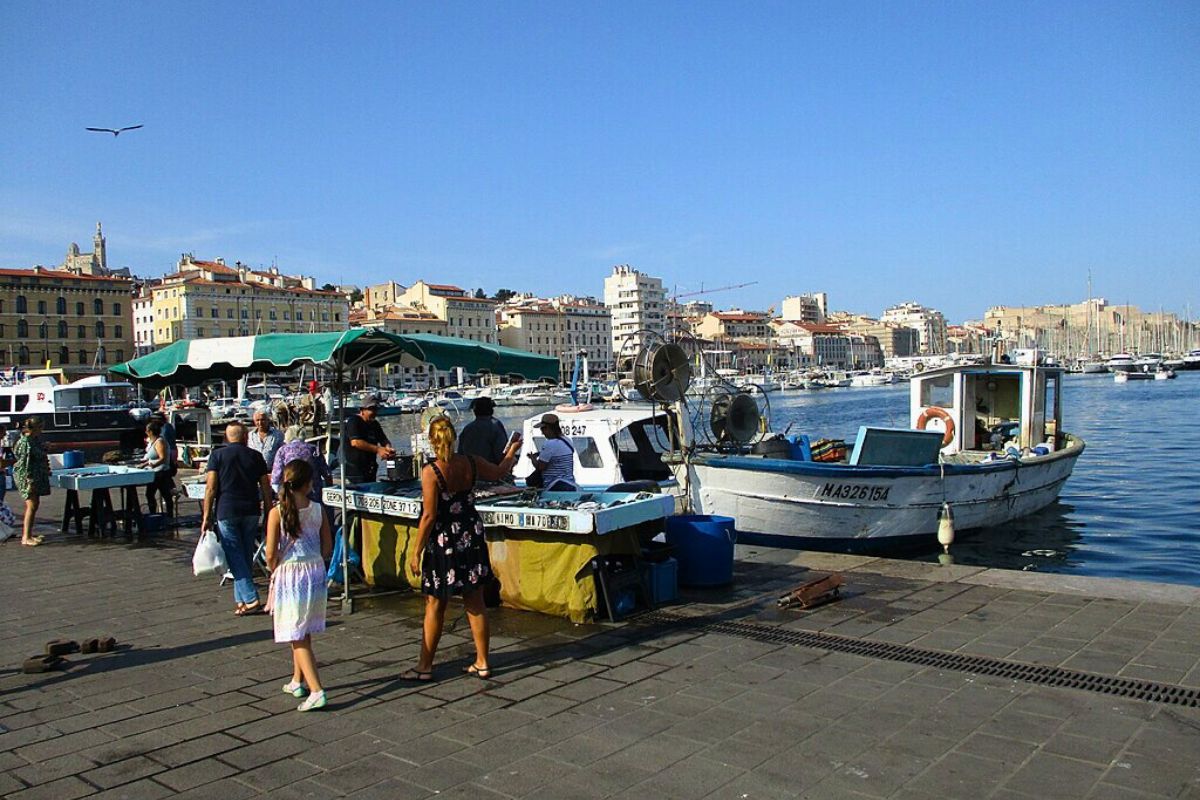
(116, 395)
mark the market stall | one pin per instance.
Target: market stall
(101, 515)
(190, 362)
(541, 544)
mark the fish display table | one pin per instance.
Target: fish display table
(540, 543)
(99, 479)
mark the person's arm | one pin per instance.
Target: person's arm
(210, 495)
(272, 545)
(494, 472)
(429, 497)
(326, 537)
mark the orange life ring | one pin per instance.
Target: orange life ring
(944, 416)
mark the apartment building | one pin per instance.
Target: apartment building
(637, 302)
(466, 317)
(929, 323)
(78, 322)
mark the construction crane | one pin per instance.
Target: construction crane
(679, 297)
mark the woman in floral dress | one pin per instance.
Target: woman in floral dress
(31, 474)
(450, 553)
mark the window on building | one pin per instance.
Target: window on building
(214, 312)
(337, 316)
(258, 313)
(64, 355)
(116, 309)
(231, 331)
(22, 304)
(98, 307)
(41, 307)
(4, 401)
(118, 331)
(79, 309)
(60, 305)
(1, 306)
(325, 317)
(200, 332)
(287, 315)
(271, 314)
(245, 314)
(229, 313)
(23, 354)
(299, 316)
(99, 329)
(62, 329)
(120, 356)
(22, 329)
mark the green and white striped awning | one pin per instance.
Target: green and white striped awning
(192, 362)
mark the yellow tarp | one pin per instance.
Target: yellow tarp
(543, 572)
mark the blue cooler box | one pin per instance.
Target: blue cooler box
(662, 580)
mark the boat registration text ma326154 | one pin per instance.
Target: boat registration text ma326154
(853, 491)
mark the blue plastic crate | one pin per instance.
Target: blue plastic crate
(662, 579)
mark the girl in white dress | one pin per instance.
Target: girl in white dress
(298, 543)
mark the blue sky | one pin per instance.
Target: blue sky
(958, 154)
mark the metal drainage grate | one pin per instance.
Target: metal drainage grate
(1131, 688)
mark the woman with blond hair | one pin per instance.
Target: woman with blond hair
(450, 553)
(31, 474)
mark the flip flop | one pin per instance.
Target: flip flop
(483, 673)
(61, 647)
(31, 543)
(416, 675)
(37, 664)
(251, 610)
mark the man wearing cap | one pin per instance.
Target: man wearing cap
(555, 458)
(368, 443)
(485, 437)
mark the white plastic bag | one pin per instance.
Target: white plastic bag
(209, 558)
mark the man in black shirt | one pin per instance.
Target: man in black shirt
(367, 442)
(239, 485)
(485, 437)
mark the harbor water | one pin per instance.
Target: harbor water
(1131, 509)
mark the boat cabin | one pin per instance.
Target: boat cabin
(989, 407)
(613, 444)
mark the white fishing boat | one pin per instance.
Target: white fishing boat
(986, 441)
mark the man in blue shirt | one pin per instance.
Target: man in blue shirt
(238, 484)
(555, 458)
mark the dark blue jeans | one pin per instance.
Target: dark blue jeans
(238, 537)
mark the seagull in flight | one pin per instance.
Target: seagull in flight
(115, 131)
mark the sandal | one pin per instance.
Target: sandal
(415, 674)
(483, 673)
(250, 610)
(31, 542)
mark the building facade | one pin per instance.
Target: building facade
(383, 295)
(466, 317)
(80, 323)
(733, 324)
(929, 323)
(207, 299)
(810, 308)
(588, 330)
(403, 320)
(816, 345)
(637, 302)
(893, 339)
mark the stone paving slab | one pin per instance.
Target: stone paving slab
(190, 705)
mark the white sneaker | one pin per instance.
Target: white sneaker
(294, 688)
(313, 702)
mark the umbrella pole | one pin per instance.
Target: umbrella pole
(347, 602)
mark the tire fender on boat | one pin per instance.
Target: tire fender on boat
(939, 413)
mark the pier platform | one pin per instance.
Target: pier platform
(922, 681)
